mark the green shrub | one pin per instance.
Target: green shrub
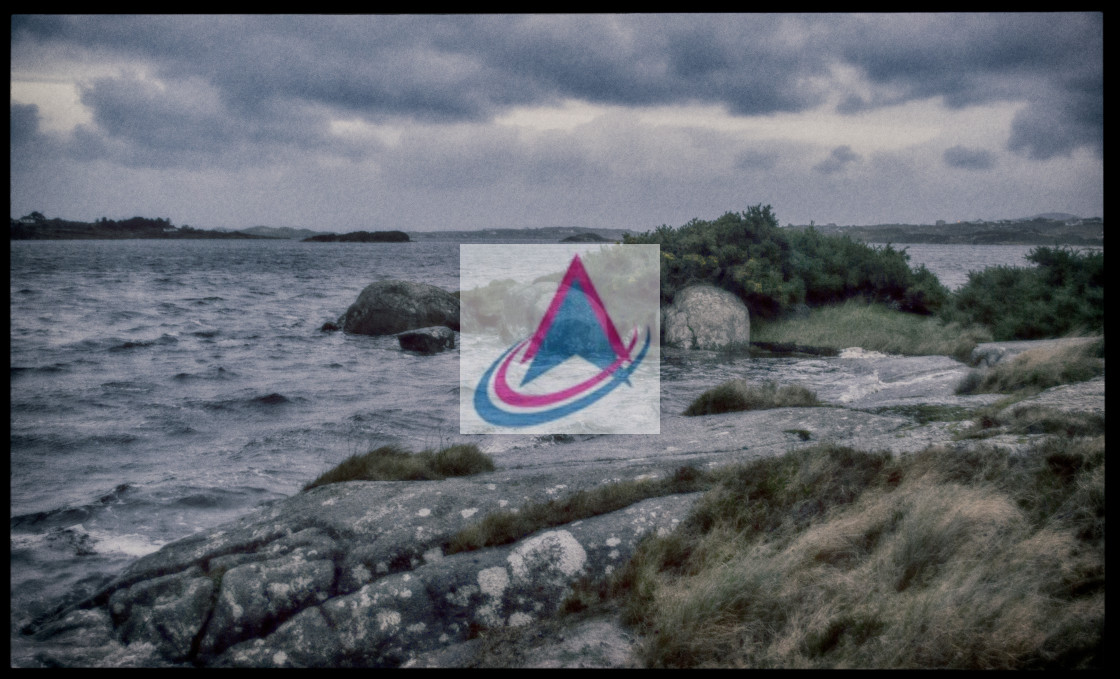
(390, 463)
(773, 270)
(1064, 294)
(737, 395)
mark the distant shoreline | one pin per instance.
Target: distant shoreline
(360, 237)
(1037, 231)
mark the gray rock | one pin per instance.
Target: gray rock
(357, 574)
(352, 574)
(166, 611)
(1080, 397)
(706, 317)
(393, 620)
(256, 595)
(389, 307)
(85, 638)
(600, 642)
(428, 340)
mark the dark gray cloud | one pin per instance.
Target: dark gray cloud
(346, 117)
(1072, 119)
(265, 73)
(190, 122)
(1054, 62)
(840, 158)
(969, 58)
(969, 159)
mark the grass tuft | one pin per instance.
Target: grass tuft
(925, 413)
(874, 327)
(737, 395)
(1036, 369)
(391, 463)
(831, 557)
(505, 527)
(1023, 420)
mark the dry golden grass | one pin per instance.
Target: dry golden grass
(1001, 418)
(842, 559)
(1038, 369)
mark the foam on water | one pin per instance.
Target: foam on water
(856, 352)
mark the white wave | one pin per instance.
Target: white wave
(857, 352)
(130, 544)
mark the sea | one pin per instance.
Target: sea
(163, 387)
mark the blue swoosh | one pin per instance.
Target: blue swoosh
(494, 415)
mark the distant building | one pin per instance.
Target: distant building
(940, 222)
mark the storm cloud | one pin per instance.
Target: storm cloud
(425, 103)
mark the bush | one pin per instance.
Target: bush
(1064, 294)
(738, 395)
(830, 557)
(390, 463)
(773, 270)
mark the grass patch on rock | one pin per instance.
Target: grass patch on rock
(874, 327)
(830, 557)
(1000, 418)
(924, 413)
(505, 527)
(391, 463)
(737, 395)
(1037, 369)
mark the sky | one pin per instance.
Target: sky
(345, 123)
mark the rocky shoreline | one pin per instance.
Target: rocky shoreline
(355, 573)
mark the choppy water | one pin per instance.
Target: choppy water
(159, 388)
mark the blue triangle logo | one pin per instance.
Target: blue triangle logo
(575, 331)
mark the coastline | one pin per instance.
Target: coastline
(294, 536)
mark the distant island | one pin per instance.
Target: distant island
(1046, 229)
(361, 237)
(539, 234)
(287, 232)
(585, 238)
(35, 226)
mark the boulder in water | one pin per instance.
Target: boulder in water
(706, 317)
(389, 307)
(428, 340)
